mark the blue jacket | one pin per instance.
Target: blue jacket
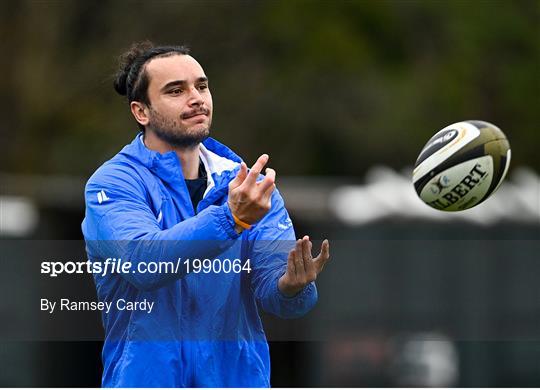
(204, 329)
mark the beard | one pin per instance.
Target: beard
(176, 135)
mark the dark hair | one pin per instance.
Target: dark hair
(132, 79)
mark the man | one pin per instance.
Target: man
(176, 196)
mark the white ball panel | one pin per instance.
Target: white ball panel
(461, 186)
(467, 133)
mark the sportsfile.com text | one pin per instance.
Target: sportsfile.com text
(118, 266)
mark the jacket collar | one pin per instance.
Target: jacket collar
(217, 159)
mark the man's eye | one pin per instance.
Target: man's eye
(175, 91)
(203, 86)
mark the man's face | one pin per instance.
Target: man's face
(180, 111)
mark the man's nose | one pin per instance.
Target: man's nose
(195, 98)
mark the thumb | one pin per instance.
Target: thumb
(324, 256)
(240, 176)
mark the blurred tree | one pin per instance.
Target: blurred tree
(327, 88)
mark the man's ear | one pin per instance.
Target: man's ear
(140, 112)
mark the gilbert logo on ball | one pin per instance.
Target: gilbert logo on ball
(461, 165)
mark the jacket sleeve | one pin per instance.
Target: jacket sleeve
(270, 242)
(119, 223)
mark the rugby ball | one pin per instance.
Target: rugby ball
(461, 165)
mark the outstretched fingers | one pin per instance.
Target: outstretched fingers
(267, 185)
(268, 180)
(309, 267)
(256, 169)
(301, 268)
(240, 176)
(291, 268)
(299, 261)
(323, 256)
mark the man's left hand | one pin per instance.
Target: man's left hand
(302, 268)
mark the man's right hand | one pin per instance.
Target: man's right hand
(248, 200)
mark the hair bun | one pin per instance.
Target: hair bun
(126, 60)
